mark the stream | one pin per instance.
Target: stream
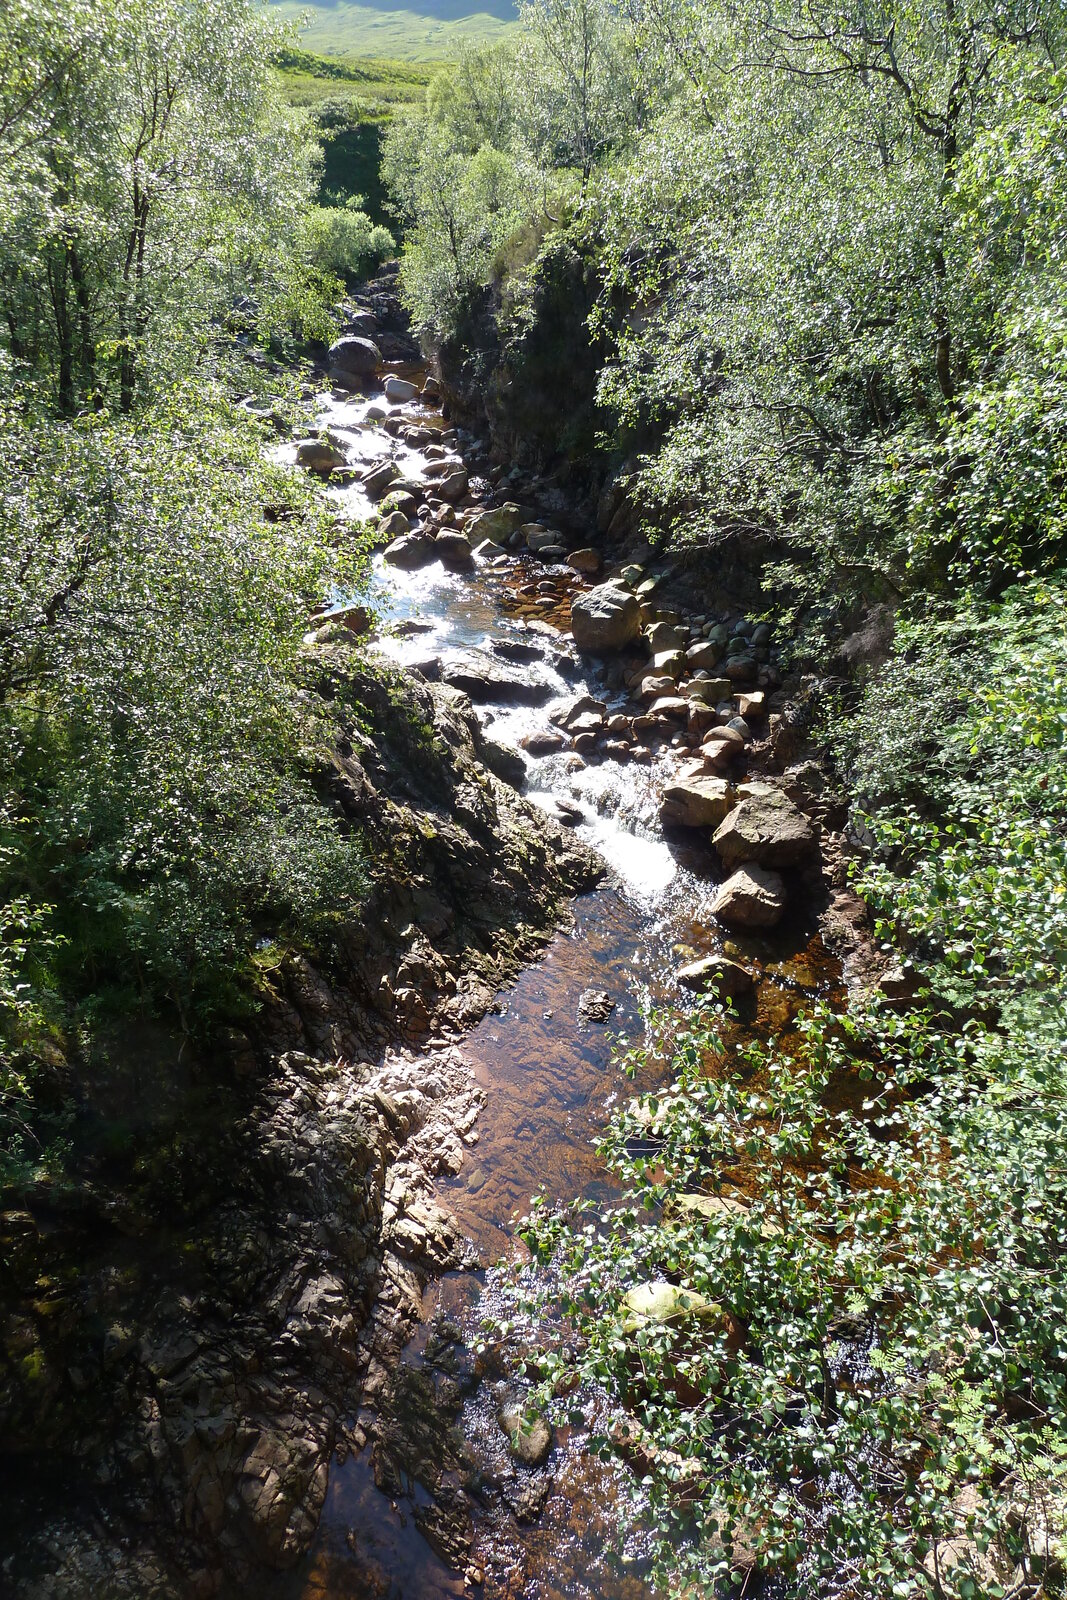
(549, 1076)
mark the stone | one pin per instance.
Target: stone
(753, 704)
(654, 685)
(399, 390)
(705, 654)
(664, 636)
(393, 525)
(726, 978)
(665, 1303)
(754, 897)
(674, 706)
(710, 690)
(454, 486)
(583, 706)
(410, 551)
(498, 524)
(454, 549)
(543, 742)
(489, 550)
(536, 537)
(431, 389)
(529, 1437)
(767, 829)
(585, 561)
(399, 500)
(353, 358)
(739, 669)
(595, 1005)
(696, 801)
(605, 619)
(318, 455)
(668, 663)
(378, 479)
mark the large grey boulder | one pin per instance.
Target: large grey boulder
(453, 548)
(454, 485)
(753, 898)
(605, 619)
(499, 523)
(410, 551)
(319, 455)
(352, 359)
(766, 828)
(697, 802)
(399, 390)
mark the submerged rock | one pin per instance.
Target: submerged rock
(529, 1437)
(727, 978)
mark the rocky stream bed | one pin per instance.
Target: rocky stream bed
(275, 1391)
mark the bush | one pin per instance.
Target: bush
(343, 240)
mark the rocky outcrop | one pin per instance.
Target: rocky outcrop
(206, 1331)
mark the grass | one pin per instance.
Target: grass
(429, 30)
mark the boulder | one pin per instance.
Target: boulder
(727, 978)
(454, 485)
(753, 704)
(585, 705)
(399, 390)
(393, 525)
(696, 801)
(739, 669)
(655, 684)
(536, 537)
(665, 1303)
(753, 898)
(453, 548)
(668, 663)
(399, 500)
(605, 619)
(318, 455)
(665, 636)
(543, 742)
(710, 690)
(674, 706)
(586, 561)
(529, 1436)
(431, 389)
(378, 479)
(497, 524)
(409, 551)
(353, 358)
(768, 829)
(705, 654)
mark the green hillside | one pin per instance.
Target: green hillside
(428, 31)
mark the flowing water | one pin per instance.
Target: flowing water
(550, 1077)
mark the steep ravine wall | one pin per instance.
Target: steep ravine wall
(184, 1334)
